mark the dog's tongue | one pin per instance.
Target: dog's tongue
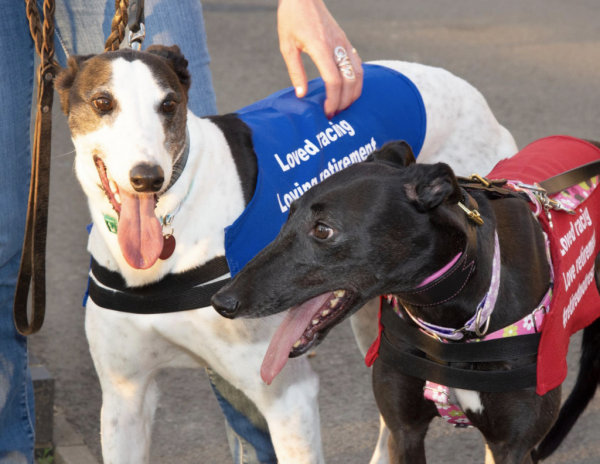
(288, 333)
(139, 232)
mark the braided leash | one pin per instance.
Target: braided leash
(32, 271)
(128, 14)
(118, 25)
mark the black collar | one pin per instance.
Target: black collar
(450, 284)
(188, 290)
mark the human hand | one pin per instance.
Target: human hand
(307, 26)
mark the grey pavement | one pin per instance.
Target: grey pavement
(537, 63)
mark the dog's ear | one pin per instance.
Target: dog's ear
(398, 154)
(175, 59)
(433, 185)
(66, 77)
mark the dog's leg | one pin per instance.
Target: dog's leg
(128, 407)
(126, 355)
(289, 406)
(365, 326)
(235, 349)
(405, 411)
(381, 454)
(489, 457)
(525, 418)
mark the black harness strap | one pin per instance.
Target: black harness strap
(483, 381)
(425, 369)
(487, 351)
(175, 292)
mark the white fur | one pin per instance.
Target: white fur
(128, 349)
(468, 400)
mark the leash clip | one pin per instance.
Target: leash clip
(473, 215)
(480, 179)
(136, 39)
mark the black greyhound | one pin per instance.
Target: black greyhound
(381, 227)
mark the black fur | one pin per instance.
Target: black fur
(239, 138)
(395, 223)
(398, 154)
(176, 61)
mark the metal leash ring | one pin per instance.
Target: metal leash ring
(478, 332)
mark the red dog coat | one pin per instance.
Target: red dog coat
(573, 245)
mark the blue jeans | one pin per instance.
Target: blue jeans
(81, 28)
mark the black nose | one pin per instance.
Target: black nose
(227, 306)
(147, 178)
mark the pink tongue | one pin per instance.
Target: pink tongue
(139, 232)
(291, 329)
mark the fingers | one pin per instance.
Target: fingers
(358, 71)
(307, 26)
(334, 83)
(341, 91)
(293, 60)
(351, 87)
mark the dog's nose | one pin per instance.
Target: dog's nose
(227, 306)
(147, 178)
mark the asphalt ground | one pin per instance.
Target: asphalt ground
(538, 65)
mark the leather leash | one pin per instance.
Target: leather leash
(32, 271)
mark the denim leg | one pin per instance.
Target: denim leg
(168, 22)
(247, 431)
(83, 25)
(16, 85)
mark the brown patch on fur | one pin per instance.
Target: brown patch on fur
(88, 75)
(176, 61)
(84, 76)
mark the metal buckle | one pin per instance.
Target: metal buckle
(539, 308)
(473, 215)
(135, 40)
(533, 188)
(478, 332)
(480, 179)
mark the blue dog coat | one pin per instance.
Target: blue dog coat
(297, 147)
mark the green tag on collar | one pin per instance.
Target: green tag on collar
(111, 223)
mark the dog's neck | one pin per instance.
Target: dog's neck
(211, 198)
(524, 269)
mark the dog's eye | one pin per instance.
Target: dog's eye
(103, 104)
(322, 232)
(169, 106)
